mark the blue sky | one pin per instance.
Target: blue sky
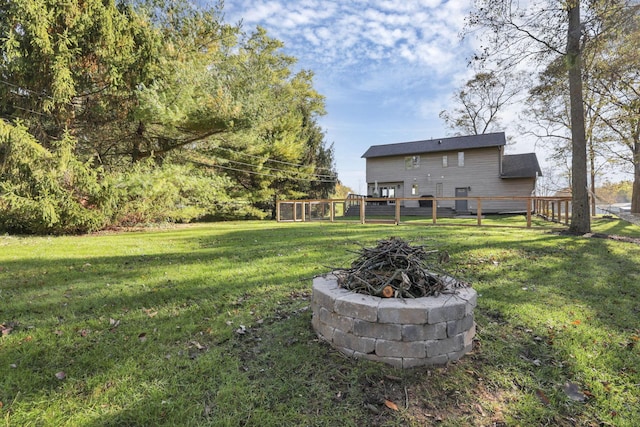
(386, 67)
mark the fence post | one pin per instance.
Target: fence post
(479, 212)
(397, 212)
(434, 210)
(332, 208)
(277, 210)
(566, 212)
(546, 208)
(362, 202)
(529, 201)
(559, 211)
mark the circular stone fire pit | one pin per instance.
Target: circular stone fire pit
(405, 332)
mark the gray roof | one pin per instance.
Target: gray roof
(435, 145)
(520, 166)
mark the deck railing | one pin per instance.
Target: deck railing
(555, 209)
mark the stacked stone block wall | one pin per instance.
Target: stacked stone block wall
(401, 332)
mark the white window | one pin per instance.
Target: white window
(412, 162)
(438, 189)
(461, 158)
(388, 192)
(414, 190)
(445, 162)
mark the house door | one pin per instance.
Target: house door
(461, 205)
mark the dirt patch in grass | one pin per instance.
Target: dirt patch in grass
(616, 237)
(634, 240)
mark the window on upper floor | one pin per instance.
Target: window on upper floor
(445, 161)
(460, 158)
(412, 162)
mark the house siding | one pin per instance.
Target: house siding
(480, 173)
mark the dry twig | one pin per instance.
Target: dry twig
(410, 271)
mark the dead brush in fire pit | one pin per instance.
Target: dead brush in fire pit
(395, 269)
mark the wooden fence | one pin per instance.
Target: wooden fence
(555, 209)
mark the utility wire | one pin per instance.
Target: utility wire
(25, 89)
(317, 176)
(259, 173)
(271, 175)
(271, 160)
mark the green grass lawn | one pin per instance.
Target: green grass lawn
(210, 325)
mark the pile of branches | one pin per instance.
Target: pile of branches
(395, 269)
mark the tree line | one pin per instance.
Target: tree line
(574, 66)
(127, 112)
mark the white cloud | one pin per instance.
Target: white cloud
(333, 31)
(261, 11)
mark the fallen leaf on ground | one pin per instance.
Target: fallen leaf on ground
(150, 312)
(389, 404)
(6, 329)
(197, 345)
(543, 397)
(61, 375)
(142, 337)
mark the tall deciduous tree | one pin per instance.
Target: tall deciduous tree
(580, 215)
(610, 74)
(616, 77)
(479, 102)
(537, 32)
(548, 113)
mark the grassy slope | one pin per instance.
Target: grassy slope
(209, 325)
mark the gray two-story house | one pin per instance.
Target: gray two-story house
(462, 166)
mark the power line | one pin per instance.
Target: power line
(31, 111)
(317, 176)
(33, 92)
(270, 175)
(272, 160)
(259, 173)
(25, 89)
